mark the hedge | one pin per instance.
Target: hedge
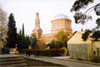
(49, 52)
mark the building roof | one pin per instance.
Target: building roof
(61, 16)
(77, 39)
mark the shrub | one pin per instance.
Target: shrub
(49, 52)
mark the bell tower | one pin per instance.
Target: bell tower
(37, 30)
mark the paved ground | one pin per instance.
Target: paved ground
(67, 58)
(9, 55)
(64, 62)
(62, 57)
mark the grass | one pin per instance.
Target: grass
(32, 62)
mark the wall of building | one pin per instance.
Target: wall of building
(96, 48)
(78, 51)
(85, 50)
(61, 24)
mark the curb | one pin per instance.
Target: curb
(79, 61)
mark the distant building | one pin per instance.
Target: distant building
(37, 30)
(59, 22)
(84, 50)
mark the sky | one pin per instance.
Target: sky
(24, 12)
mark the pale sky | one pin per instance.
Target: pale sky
(24, 12)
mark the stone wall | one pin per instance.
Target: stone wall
(78, 51)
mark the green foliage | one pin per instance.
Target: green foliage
(86, 34)
(49, 52)
(78, 4)
(19, 41)
(27, 41)
(96, 35)
(23, 30)
(83, 17)
(98, 22)
(61, 38)
(52, 44)
(97, 9)
(22, 42)
(33, 41)
(11, 39)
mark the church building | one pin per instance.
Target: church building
(37, 30)
(59, 22)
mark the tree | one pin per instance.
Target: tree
(33, 40)
(3, 25)
(98, 22)
(22, 42)
(86, 34)
(78, 4)
(23, 30)
(81, 17)
(19, 41)
(26, 41)
(40, 44)
(96, 35)
(61, 37)
(52, 44)
(11, 39)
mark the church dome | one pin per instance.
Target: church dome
(61, 16)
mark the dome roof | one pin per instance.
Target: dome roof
(61, 16)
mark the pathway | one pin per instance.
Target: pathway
(62, 62)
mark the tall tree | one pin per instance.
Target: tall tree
(22, 40)
(11, 39)
(3, 25)
(23, 30)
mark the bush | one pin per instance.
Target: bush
(49, 52)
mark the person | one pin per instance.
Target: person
(28, 52)
(35, 54)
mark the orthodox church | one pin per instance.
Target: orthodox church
(37, 30)
(59, 22)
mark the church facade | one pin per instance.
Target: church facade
(59, 22)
